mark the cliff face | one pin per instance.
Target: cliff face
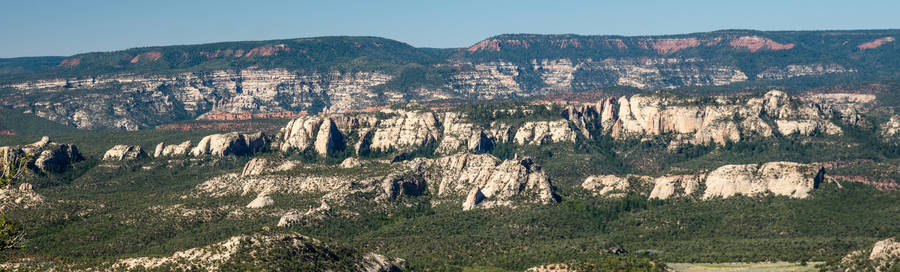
(140, 101)
(790, 179)
(150, 86)
(716, 121)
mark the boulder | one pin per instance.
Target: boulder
(124, 153)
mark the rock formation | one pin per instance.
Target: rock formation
(459, 134)
(42, 156)
(351, 162)
(891, 128)
(494, 182)
(262, 165)
(163, 150)
(230, 144)
(884, 256)
(780, 178)
(124, 153)
(675, 185)
(501, 183)
(606, 185)
(293, 217)
(329, 138)
(317, 132)
(537, 133)
(259, 251)
(404, 130)
(261, 201)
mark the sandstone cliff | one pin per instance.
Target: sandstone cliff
(779, 178)
(124, 153)
(790, 179)
(506, 66)
(715, 121)
(163, 150)
(486, 181)
(230, 144)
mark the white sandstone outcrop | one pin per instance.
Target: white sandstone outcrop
(329, 138)
(124, 153)
(676, 185)
(163, 150)
(884, 256)
(43, 155)
(537, 133)
(497, 182)
(262, 248)
(293, 217)
(606, 185)
(885, 249)
(351, 162)
(262, 165)
(458, 134)
(230, 144)
(261, 201)
(449, 178)
(718, 120)
(317, 132)
(891, 128)
(403, 131)
(780, 178)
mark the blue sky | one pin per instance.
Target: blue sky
(40, 28)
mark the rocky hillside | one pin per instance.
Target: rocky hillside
(142, 87)
(279, 252)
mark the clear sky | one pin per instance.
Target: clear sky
(66, 27)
